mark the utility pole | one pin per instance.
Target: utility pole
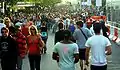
(4, 7)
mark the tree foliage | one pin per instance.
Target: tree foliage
(33, 1)
(45, 2)
(13, 2)
(40, 2)
(50, 2)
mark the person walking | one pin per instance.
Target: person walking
(59, 34)
(16, 34)
(44, 34)
(81, 34)
(21, 45)
(66, 52)
(8, 50)
(100, 47)
(8, 22)
(35, 45)
(104, 28)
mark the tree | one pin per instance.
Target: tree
(45, 2)
(13, 2)
(50, 2)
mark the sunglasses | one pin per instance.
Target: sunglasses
(32, 29)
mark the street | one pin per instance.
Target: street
(19, 15)
(48, 64)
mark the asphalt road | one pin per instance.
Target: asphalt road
(48, 64)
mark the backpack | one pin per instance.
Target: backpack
(44, 35)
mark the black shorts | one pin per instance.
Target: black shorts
(93, 67)
(82, 54)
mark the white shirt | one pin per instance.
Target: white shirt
(68, 20)
(98, 43)
(66, 55)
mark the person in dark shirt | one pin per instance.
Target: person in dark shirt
(8, 51)
(44, 34)
(104, 28)
(59, 34)
(16, 34)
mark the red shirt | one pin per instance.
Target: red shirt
(25, 31)
(22, 45)
(33, 46)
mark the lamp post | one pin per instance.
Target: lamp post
(3, 6)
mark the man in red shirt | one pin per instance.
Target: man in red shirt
(22, 47)
(17, 35)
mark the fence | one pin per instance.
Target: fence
(113, 20)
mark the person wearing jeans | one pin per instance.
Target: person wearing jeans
(36, 59)
(8, 51)
(44, 34)
(35, 46)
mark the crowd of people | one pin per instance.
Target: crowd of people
(26, 35)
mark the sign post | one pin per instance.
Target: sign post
(3, 9)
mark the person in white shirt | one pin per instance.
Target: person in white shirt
(100, 47)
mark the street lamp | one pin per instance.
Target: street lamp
(3, 6)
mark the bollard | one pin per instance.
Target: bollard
(115, 34)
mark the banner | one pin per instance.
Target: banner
(98, 2)
(89, 2)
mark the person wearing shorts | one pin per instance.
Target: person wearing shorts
(80, 40)
(82, 54)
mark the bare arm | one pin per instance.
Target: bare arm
(108, 50)
(87, 55)
(55, 56)
(76, 56)
(41, 42)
